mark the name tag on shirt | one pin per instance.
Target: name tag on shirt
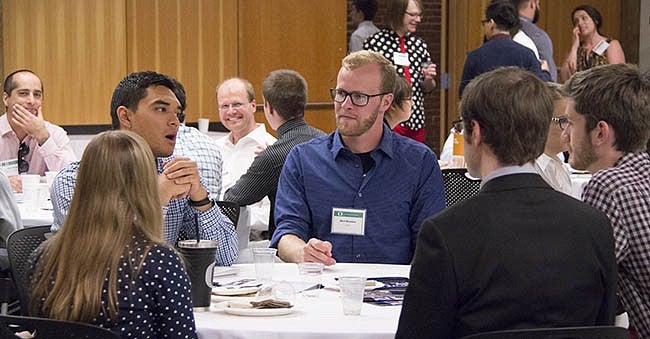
(601, 47)
(348, 221)
(10, 167)
(401, 59)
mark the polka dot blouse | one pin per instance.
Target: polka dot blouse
(157, 303)
(386, 42)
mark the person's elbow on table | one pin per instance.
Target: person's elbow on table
(293, 249)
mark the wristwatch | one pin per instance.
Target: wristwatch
(199, 203)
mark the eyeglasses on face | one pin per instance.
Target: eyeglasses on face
(561, 121)
(457, 125)
(23, 165)
(358, 99)
(413, 15)
(235, 105)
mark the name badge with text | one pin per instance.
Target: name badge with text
(348, 221)
(601, 47)
(401, 59)
(10, 167)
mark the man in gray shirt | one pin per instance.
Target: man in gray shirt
(528, 16)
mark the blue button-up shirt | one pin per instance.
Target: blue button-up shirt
(402, 188)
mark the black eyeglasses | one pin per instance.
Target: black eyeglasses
(358, 99)
(23, 165)
(561, 121)
(457, 125)
(413, 14)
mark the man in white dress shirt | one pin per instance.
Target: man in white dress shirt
(548, 164)
(362, 13)
(236, 103)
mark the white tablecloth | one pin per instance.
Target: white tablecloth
(33, 216)
(320, 317)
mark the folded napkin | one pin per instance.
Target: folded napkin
(271, 303)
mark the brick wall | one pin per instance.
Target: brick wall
(429, 30)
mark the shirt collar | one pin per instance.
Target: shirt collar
(4, 125)
(291, 124)
(385, 144)
(507, 170)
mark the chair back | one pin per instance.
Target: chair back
(589, 332)
(229, 209)
(50, 328)
(458, 185)
(20, 245)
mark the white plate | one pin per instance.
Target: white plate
(257, 312)
(335, 286)
(234, 291)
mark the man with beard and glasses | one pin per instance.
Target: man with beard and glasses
(528, 16)
(609, 124)
(360, 193)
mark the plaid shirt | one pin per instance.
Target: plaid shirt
(623, 193)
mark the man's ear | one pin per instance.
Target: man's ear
(5, 96)
(124, 115)
(476, 137)
(603, 133)
(386, 101)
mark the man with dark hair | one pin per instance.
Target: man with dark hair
(146, 103)
(519, 254)
(32, 144)
(609, 124)
(360, 193)
(528, 15)
(499, 49)
(285, 97)
(362, 13)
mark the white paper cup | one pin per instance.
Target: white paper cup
(30, 189)
(352, 289)
(203, 125)
(264, 258)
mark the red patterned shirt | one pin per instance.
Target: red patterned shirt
(623, 193)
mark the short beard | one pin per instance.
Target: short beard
(364, 126)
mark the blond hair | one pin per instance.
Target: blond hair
(387, 69)
(115, 201)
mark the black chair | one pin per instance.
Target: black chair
(590, 332)
(458, 185)
(229, 209)
(50, 328)
(20, 245)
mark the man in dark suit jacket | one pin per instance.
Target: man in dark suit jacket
(518, 254)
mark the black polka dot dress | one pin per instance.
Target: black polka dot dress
(386, 42)
(155, 303)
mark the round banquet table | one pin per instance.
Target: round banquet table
(320, 317)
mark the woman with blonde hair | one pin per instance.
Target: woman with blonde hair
(108, 265)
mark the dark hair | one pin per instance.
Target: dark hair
(593, 13)
(519, 3)
(367, 7)
(504, 14)
(9, 84)
(618, 95)
(513, 108)
(403, 92)
(133, 88)
(286, 91)
(396, 11)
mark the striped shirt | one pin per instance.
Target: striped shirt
(623, 193)
(262, 176)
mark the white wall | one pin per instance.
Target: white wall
(644, 36)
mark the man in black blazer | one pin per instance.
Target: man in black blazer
(519, 254)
